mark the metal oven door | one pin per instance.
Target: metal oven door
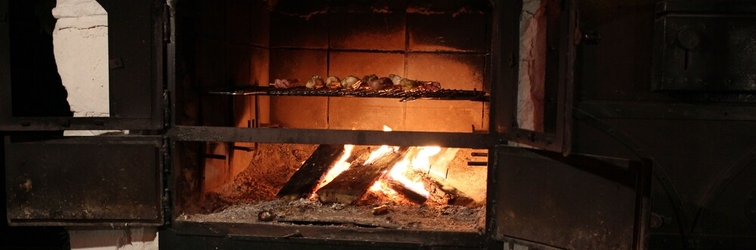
(82, 181)
(533, 74)
(78, 181)
(31, 95)
(543, 200)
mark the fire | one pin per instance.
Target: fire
(422, 161)
(381, 152)
(398, 173)
(339, 167)
(380, 187)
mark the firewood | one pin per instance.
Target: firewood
(307, 177)
(406, 192)
(457, 197)
(350, 185)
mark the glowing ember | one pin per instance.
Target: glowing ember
(380, 186)
(376, 187)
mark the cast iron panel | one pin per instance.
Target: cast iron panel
(577, 202)
(705, 49)
(135, 38)
(31, 94)
(84, 181)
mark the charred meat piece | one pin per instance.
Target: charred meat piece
(351, 82)
(397, 80)
(381, 83)
(333, 82)
(315, 82)
(408, 84)
(369, 78)
(430, 85)
(286, 83)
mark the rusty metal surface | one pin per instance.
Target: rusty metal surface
(192, 235)
(721, 6)
(504, 58)
(619, 68)
(708, 49)
(322, 136)
(84, 181)
(135, 39)
(700, 141)
(578, 202)
(668, 111)
(442, 94)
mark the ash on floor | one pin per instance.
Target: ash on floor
(309, 212)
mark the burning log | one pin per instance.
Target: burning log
(307, 177)
(355, 181)
(456, 196)
(408, 193)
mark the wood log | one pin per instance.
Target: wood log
(457, 197)
(307, 177)
(350, 185)
(406, 192)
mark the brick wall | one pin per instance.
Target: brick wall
(254, 42)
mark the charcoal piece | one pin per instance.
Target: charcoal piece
(350, 185)
(307, 177)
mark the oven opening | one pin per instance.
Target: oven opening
(409, 66)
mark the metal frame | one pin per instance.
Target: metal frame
(668, 111)
(559, 75)
(322, 136)
(293, 234)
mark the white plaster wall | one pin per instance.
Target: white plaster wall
(80, 41)
(114, 239)
(532, 65)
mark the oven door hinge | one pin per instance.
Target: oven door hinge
(167, 179)
(167, 22)
(166, 108)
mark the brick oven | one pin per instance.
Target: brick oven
(399, 124)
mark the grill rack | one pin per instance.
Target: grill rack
(402, 95)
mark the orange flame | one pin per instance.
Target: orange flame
(398, 172)
(339, 167)
(422, 160)
(384, 150)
